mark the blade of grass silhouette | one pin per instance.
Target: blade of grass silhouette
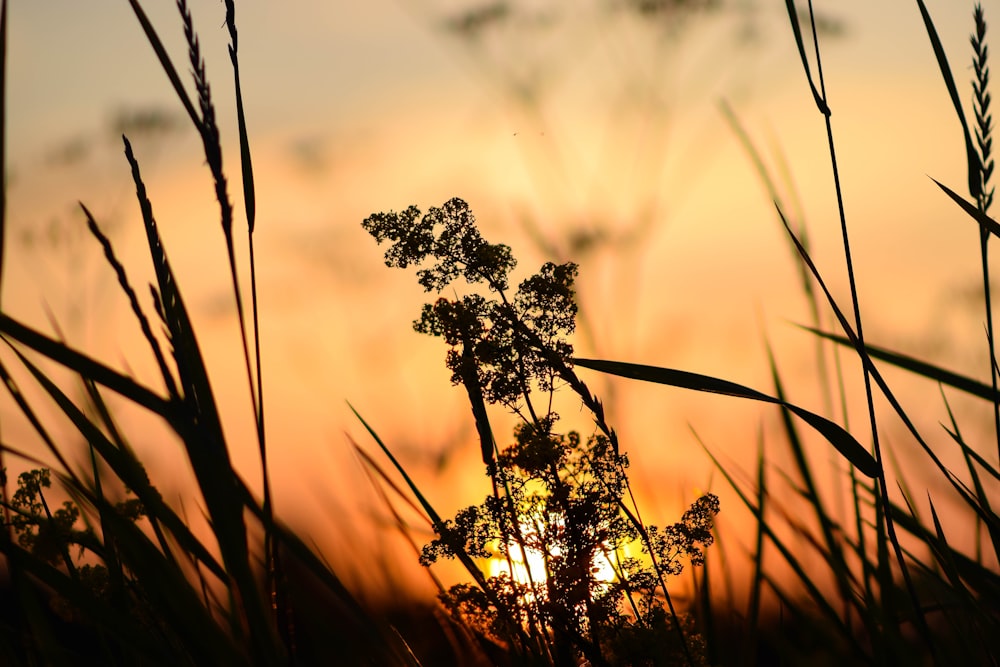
(23, 455)
(126, 467)
(274, 574)
(86, 366)
(971, 459)
(246, 165)
(463, 557)
(793, 18)
(972, 158)
(367, 460)
(165, 62)
(843, 441)
(137, 311)
(833, 548)
(754, 601)
(984, 141)
(985, 222)
(797, 568)
(201, 431)
(922, 368)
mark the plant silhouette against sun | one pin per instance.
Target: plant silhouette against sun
(596, 589)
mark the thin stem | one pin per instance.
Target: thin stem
(923, 628)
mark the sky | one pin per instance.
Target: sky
(587, 134)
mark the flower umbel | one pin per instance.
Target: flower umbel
(559, 499)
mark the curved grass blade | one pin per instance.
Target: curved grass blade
(793, 17)
(843, 441)
(923, 368)
(86, 366)
(798, 568)
(972, 158)
(128, 469)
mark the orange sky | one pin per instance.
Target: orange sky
(361, 107)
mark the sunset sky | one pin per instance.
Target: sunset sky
(587, 134)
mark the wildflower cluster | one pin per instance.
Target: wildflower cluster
(580, 575)
(51, 535)
(499, 344)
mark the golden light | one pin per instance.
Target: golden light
(527, 565)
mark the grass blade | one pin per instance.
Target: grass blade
(128, 469)
(165, 62)
(463, 557)
(985, 222)
(249, 197)
(86, 366)
(797, 567)
(843, 441)
(923, 368)
(133, 300)
(972, 158)
(793, 17)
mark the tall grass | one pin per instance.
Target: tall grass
(903, 593)
(151, 590)
(115, 574)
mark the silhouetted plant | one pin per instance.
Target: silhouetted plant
(583, 577)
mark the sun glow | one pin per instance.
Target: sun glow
(528, 564)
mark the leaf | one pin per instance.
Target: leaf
(923, 368)
(793, 17)
(985, 222)
(86, 366)
(165, 62)
(843, 441)
(972, 158)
